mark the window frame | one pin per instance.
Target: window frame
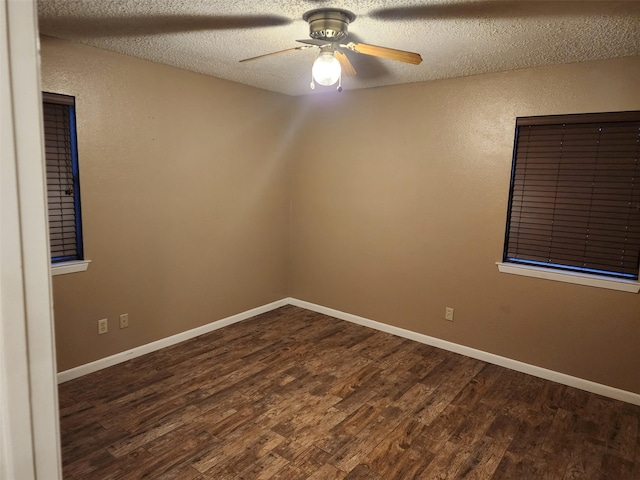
(559, 272)
(62, 264)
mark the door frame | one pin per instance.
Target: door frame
(29, 425)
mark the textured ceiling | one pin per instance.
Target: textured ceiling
(455, 37)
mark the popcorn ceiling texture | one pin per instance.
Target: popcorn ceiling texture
(455, 37)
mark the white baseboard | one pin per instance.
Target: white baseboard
(87, 368)
(516, 365)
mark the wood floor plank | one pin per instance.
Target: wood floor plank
(347, 384)
(346, 430)
(310, 460)
(503, 429)
(87, 440)
(542, 466)
(292, 394)
(484, 461)
(440, 430)
(586, 462)
(120, 469)
(87, 464)
(613, 467)
(411, 465)
(478, 386)
(239, 455)
(352, 453)
(475, 426)
(263, 469)
(623, 436)
(302, 439)
(459, 375)
(289, 472)
(362, 472)
(389, 452)
(532, 434)
(327, 472)
(448, 461)
(140, 436)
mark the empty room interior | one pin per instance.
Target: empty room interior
(286, 258)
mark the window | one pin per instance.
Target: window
(63, 185)
(574, 201)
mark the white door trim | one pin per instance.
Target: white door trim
(29, 428)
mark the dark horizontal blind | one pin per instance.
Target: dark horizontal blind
(575, 193)
(62, 182)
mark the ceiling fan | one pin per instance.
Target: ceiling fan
(329, 29)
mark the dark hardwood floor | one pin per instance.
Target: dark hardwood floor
(293, 394)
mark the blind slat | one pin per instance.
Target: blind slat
(575, 193)
(61, 178)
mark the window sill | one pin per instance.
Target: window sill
(69, 267)
(631, 286)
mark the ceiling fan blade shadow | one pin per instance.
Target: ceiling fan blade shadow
(508, 9)
(130, 26)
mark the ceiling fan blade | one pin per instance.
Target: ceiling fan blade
(313, 41)
(345, 64)
(303, 47)
(385, 52)
(368, 67)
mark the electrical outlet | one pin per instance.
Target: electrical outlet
(448, 314)
(102, 326)
(124, 320)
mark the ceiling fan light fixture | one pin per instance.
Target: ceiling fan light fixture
(328, 28)
(326, 69)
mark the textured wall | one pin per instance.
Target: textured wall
(398, 204)
(399, 201)
(184, 199)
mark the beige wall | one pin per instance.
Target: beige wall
(397, 197)
(399, 201)
(184, 199)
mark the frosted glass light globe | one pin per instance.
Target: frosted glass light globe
(326, 69)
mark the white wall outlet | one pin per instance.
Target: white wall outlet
(448, 314)
(124, 320)
(102, 326)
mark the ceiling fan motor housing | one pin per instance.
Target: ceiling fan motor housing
(331, 25)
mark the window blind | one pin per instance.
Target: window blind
(575, 193)
(62, 178)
